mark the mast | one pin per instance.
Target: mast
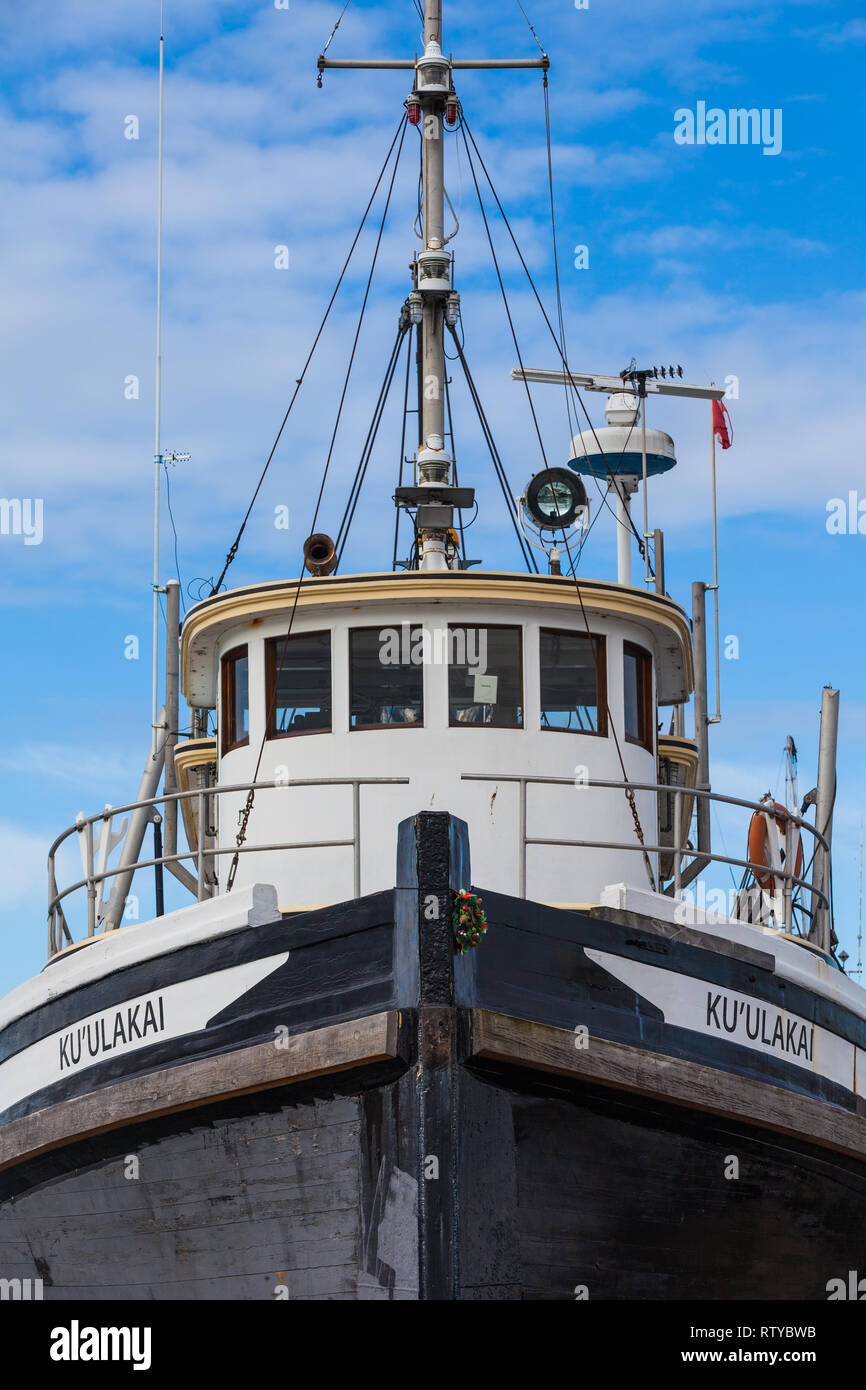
(433, 302)
(433, 285)
(433, 223)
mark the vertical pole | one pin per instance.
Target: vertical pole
(157, 868)
(356, 838)
(521, 889)
(157, 448)
(433, 185)
(91, 886)
(646, 536)
(699, 639)
(201, 885)
(825, 798)
(659, 553)
(172, 711)
(623, 533)
(718, 714)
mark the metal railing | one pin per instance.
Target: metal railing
(60, 935)
(58, 928)
(790, 880)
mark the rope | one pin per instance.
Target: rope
(215, 588)
(465, 125)
(367, 451)
(528, 557)
(402, 446)
(360, 323)
(629, 794)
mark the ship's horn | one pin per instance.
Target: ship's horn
(320, 555)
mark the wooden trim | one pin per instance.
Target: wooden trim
(502, 627)
(320, 1052)
(271, 678)
(645, 696)
(366, 728)
(539, 1046)
(598, 643)
(205, 623)
(227, 704)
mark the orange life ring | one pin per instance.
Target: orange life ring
(758, 849)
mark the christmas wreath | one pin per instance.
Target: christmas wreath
(470, 922)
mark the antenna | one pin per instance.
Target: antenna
(859, 970)
(157, 454)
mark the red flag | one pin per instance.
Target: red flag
(722, 427)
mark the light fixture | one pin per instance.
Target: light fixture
(451, 109)
(452, 309)
(433, 269)
(554, 498)
(413, 110)
(416, 307)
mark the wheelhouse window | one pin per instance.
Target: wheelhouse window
(298, 684)
(637, 695)
(235, 699)
(386, 677)
(485, 676)
(573, 682)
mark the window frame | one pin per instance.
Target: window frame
(520, 629)
(645, 695)
(228, 711)
(598, 642)
(271, 678)
(370, 728)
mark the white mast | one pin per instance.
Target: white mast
(157, 452)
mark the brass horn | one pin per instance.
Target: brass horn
(320, 555)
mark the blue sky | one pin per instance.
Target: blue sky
(719, 257)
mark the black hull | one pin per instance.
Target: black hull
(431, 1129)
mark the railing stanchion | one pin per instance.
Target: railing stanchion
(202, 826)
(356, 837)
(790, 868)
(522, 884)
(678, 851)
(91, 885)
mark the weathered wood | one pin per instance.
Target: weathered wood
(497, 1037)
(304, 1056)
(441, 861)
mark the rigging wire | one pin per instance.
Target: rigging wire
(531, 30)
(174, 531)
(342, 402)
(367, 451)
(528, 557)
(272, 696)
(234, 549)
(465, 125)
(628, 792)
(335, 28)
(454, 463)
(402, 444)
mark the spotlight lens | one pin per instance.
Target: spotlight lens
(554, 498)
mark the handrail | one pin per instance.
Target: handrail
(84, 825)
(201, 855)
(789, 878)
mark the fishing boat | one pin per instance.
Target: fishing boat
(444, 1017)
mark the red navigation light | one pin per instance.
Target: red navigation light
(451, 113)
(414, 110)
